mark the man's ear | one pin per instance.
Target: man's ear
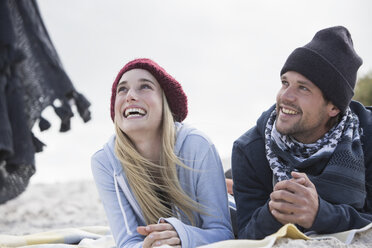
(332, 110)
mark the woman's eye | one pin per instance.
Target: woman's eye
(122, 89)
(146, 86)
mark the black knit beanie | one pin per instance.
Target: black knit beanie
(330, 62)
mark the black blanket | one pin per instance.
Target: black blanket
(31, 78)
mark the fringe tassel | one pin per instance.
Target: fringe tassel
(65, 114)
(37, 143)
(65, 126)
(82, 105)
(43, 124)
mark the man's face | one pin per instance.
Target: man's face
(302, 111)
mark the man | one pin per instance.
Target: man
(308, 161)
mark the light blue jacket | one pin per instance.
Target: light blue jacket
(204, 183)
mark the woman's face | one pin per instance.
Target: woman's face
(138, 103)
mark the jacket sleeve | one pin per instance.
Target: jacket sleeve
(252, 188)
(122, 227)
(337, 218)
(252, 195)
(211, 192)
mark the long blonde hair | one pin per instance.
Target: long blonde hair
(148, 179)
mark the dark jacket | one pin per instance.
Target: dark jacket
(253, 184)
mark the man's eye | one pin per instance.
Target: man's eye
(304, 88)
(285, 83)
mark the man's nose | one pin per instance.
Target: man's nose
(288, 94)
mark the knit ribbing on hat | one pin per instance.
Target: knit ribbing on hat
(176, 97)
(330, 62)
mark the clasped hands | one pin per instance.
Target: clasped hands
(295, 201)
(159, 234)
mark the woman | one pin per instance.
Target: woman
(160, 181)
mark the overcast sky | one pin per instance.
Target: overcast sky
(226, 54)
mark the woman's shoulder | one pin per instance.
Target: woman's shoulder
(105, 157)
(99, 156)
(192, 144)
(189, 136)
(101, 152)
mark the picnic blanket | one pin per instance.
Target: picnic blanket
(100, 237)
(83, 237)
(287, 231)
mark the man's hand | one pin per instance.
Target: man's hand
(229, 185)
(295, 201)
(159, 234)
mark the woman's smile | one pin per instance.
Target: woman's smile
(134, 112)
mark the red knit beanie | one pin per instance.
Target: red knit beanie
(176, 97)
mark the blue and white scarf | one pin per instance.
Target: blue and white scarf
(348, 126)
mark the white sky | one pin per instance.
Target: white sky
(226, 54)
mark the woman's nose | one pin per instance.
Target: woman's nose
(131, 95)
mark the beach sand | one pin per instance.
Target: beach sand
(45, 207)
(52, 206)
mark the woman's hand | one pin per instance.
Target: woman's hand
(159, 234)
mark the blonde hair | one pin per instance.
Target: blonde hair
(148, 179)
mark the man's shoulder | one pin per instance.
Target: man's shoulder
(250, 145)
(250, 137)
(364, 113)
(256, 134)
(365, 119)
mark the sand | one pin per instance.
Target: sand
(52, 206)
(45, 207)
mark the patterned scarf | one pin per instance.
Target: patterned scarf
(348, 126)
